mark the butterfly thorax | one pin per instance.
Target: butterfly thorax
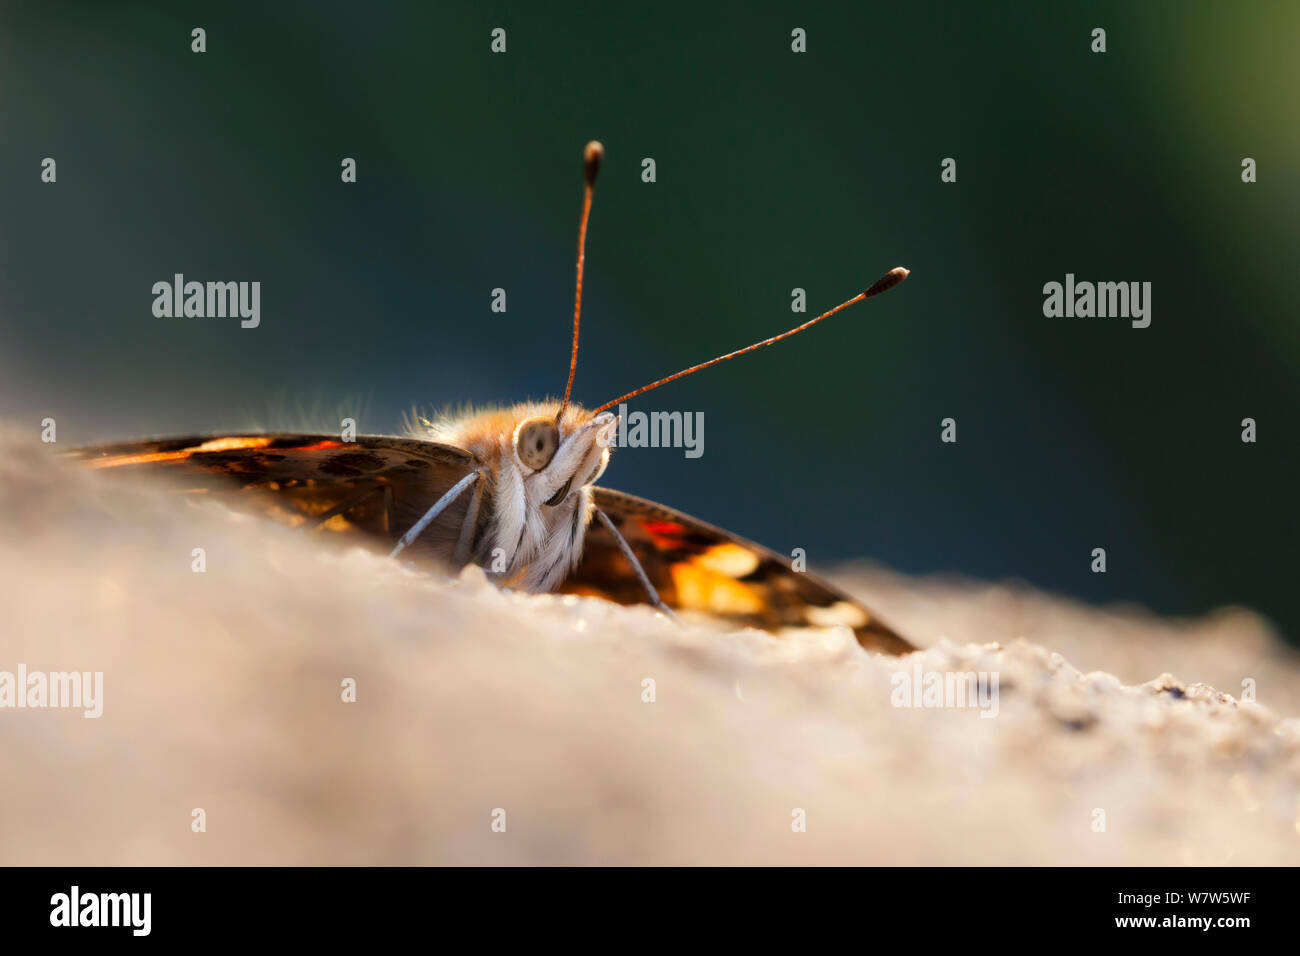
(535, 485)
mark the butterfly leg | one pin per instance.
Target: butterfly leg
(636, 566)
(437, 509)
(467, 529)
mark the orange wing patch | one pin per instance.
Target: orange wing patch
(240, 443)
(733, 560)
(710, 581)
(320, 446)
(700, 588)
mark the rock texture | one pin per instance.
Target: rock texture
(222, 691)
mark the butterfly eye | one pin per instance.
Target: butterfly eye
(536, 441)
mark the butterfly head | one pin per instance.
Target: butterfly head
(540, 463)
(559, 455)
(527, 446)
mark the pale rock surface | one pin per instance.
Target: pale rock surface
(223, 692)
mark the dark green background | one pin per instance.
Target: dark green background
(775, 170)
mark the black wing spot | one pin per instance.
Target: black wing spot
(361, 460)
(332, 466)
(234, 462)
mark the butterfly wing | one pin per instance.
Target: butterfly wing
(371, 489)
(697, 567)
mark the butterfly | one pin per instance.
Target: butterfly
(513, 490)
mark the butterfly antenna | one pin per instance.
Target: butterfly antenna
(886, 282)
(592, 156)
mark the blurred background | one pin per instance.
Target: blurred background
(775, 170)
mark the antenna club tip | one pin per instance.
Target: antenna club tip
(890, 279)
(592, 156)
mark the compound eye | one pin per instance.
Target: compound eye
(536, 441)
